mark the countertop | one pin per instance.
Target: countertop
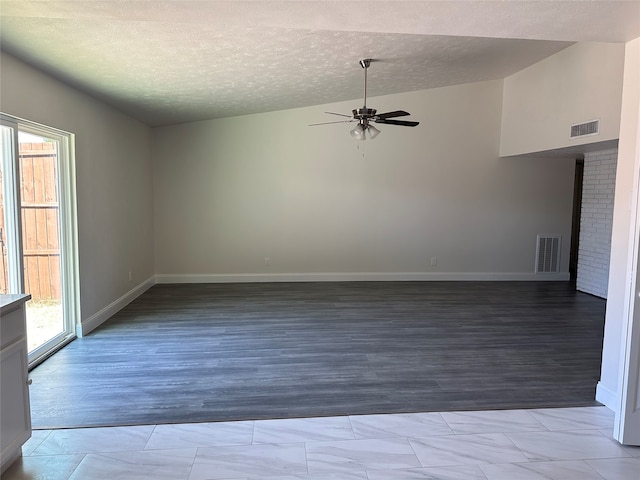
(11, 302)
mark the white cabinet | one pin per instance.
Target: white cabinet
(15, 413)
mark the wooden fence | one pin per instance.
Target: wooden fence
(40, 212)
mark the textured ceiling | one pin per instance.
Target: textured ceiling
(167, 62)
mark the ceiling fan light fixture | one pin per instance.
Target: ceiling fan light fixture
(358, 132)
(365, 116)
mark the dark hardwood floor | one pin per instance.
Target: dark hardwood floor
(212, 352)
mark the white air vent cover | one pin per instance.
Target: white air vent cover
(548, 254)
(583, 129)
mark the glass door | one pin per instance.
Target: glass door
(39, 220)
(39, 211)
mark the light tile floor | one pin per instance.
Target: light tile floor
(557, 444)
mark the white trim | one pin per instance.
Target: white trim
(16, 453)
(607, 396)
(626, 426)
(10, 160)
(68, 220)
(110, 310)
(356, 277)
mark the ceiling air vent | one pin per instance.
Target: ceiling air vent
(548, 254)
(583, 129)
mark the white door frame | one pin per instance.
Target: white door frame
(11, 189)
(627, 420)
(69, 270)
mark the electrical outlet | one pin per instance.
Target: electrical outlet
(434, 261)
(267, 261)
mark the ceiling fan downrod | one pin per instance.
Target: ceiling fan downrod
(364, 113)
(365, 64)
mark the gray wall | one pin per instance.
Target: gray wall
(576, 85)
(113, 176)
(319, 204)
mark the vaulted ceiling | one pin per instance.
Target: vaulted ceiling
(174, 61)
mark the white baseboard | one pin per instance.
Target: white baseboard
(114, 307)
(353, 277)
(607, 397)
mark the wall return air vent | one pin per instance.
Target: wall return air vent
(548, 254)
(583, 129)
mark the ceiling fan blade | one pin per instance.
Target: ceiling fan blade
(327, 123)
(402, 123)
(397, 113)
(340, 114)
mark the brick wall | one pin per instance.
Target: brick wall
(596, 221)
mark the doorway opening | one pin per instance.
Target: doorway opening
(575, 221)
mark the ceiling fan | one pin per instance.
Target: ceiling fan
(365, 116)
